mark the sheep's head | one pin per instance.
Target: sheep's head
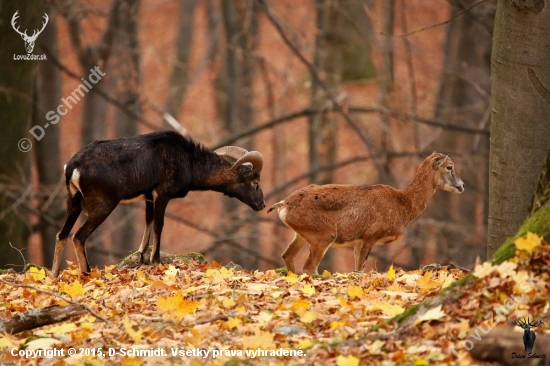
(446, 177)
(245, 186)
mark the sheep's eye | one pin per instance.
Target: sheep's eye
(450, 168)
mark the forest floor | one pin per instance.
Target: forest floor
(204, 314)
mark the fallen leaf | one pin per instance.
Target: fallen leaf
(134, 334)
(347, 361)
(292, 277)
(261, 339)
(529, 243)
(391, 273)
(355, 292)
(432, 314)
(74, 290)
(426, 283)
(308, 289)
(483, 270)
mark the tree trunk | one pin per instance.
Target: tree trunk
(16, 86)
(464, 100)
(94, 107)
(179, 80)
(126, 69)
(520, 96)
(235, 107)
(48, 159)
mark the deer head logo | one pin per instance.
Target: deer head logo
(29, 40)
(529, 335)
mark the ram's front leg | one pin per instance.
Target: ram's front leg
(159, 209)
(149, 213)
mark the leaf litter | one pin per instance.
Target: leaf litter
(257, 318)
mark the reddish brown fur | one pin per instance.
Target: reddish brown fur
(340, 215)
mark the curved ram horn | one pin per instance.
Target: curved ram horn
(242, 156)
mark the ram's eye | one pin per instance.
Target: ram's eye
(450, 168)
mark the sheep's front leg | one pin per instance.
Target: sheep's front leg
(148, 228)
(159, 208)
(361, 252)
(291, 251)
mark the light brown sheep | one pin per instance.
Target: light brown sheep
(343, 215)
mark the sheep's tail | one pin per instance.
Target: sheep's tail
(277, 205)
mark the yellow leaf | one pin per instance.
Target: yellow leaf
(8, 341)
(308, 317)
(62, 328)
(304, 343)
(483, 270)
(347, 361)
(389, 309)
(391, 273)
(37, 274)
(355, 292)
(308, 289)
(141, 276)
(506, 269)
(196, 362)
(301, 304)
(131, 361)
(421, 362)
(335, 325)
(426, 283)
(432, 314)
(529, 243)
(176, 305)
(233, 322)
(261, 339)
(326, 273)
(74, 290)
(226, 273)
(135, 335)
(228, 302)
(171, 272)
(292, 278)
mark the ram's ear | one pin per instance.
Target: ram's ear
(439, 161)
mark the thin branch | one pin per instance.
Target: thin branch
(89, 309)
(315, 74)
(439, 24)
(101, 93)
(351, 109)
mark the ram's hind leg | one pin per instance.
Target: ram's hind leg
(97, 210)
(73, 211)
(361, 252)
(289, 255)
(148, 228)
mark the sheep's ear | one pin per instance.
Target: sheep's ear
(437, 162)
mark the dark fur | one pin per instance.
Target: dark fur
(164, 165)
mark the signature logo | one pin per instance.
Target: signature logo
(529, 335)
(29, 40)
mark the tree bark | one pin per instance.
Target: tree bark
(39, 317)
(126, 69)
(16, 86)
(464, 100)
(235, 107)
(179, 79)
(47, 155)
(520, 97)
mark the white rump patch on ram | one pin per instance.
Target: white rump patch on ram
(74, 183)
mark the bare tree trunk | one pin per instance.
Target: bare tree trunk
(48, 159)
(520, 96)
(94, 107)
(464, 99)
(235, 106)
(16, 84)
(126, 57)
(180, 71)
(342, 50)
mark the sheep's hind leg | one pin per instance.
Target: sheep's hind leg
(361, 252)
(291, 251)
(318, 246)
(148, 228)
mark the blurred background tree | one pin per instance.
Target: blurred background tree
(343, 91)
